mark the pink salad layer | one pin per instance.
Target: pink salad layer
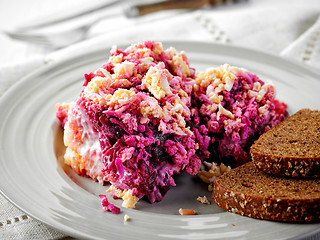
(231, 108)
(138, 106)
(107, 206)
(145, 116)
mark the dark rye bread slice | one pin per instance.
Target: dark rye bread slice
(248, 191)
(292, 148)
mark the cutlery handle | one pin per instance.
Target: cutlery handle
(143, 9)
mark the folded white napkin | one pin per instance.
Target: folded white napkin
(291, 32)
(306, 49)
(17, 225)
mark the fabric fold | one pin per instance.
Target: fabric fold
(306, 49)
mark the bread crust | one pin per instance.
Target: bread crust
(291, 148)
(257, 203)
(289, 167)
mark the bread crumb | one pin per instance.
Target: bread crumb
(203, 200)
(126, 218)
(183, 211)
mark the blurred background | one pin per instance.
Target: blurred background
(267, 25)
(29, 39)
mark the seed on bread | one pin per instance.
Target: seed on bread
(267, 196)
(292, 148)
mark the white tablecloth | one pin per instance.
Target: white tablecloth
(290, 28)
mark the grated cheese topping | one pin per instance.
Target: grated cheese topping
(156, 81)
(129, 201)
(213, 171)
(216, 80)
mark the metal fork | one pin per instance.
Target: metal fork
(58, 35)
(53, 40)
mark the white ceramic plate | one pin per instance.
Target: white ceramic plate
(33, 177)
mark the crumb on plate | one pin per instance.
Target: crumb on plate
(184, 211)
(126, 218)
(203, 200)
(214, 170)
